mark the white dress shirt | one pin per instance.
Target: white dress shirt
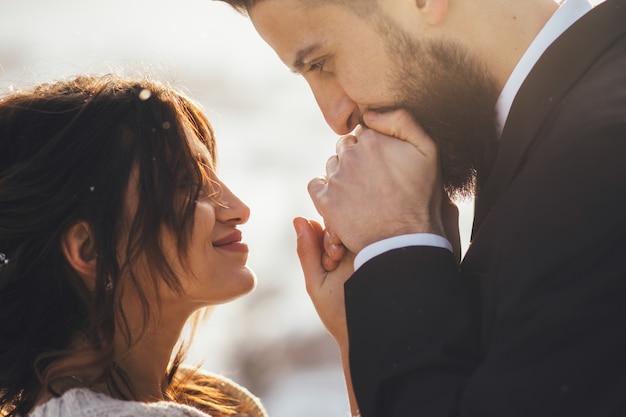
(568, 13)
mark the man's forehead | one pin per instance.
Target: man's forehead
(292, 31)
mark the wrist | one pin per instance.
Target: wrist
(391, 232)
(402, 241)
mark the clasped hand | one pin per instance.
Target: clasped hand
(384, 181)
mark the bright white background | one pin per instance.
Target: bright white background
(272, 140)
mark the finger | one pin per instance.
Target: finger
(309, 235)
(328, 263)
(333, 246)
(345, 142)
(401, 125)
(337, 252)
(332, 165)
(332, 236)
(317, 189)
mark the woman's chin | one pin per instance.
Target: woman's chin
(246, 283)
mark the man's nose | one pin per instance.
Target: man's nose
(341, 113)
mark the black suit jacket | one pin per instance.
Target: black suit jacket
(533, 322)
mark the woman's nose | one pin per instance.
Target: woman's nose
(231, 209)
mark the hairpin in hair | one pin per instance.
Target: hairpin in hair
(3, 260)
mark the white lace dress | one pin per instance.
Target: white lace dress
(82, 402)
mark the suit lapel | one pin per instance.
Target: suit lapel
(554, 74)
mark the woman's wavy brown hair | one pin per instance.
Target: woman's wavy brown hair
(67, 150)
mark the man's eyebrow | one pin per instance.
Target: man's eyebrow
(298, 63)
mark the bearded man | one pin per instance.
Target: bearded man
(521, 103)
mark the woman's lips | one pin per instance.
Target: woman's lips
(232, 242)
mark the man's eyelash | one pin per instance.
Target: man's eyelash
(317, 66)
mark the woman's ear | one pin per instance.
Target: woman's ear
(79, 249)
(434, 11)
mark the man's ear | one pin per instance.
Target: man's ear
(434, 11)
(79, 249)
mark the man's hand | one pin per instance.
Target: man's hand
(384, 181)
(324, 288)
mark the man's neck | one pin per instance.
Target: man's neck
(501, 31)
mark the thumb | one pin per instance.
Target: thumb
(400, 125)
(309, 235)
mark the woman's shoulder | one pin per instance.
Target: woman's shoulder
(82, 402)
(251, 404)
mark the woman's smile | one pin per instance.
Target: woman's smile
(231, 242)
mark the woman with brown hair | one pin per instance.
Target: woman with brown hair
(114, 232)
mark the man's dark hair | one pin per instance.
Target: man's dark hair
(360, 6)
(242, 6)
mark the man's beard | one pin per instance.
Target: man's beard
(453, 98)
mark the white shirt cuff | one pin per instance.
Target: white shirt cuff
(396, 242)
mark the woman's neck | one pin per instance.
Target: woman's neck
(145, 358)
(146, 363)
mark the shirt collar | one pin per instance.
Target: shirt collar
(568, 12)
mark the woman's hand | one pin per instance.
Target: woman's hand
(324, 288)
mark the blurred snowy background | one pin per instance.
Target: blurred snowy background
(272, 140)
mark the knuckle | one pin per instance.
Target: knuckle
(345, 143)
(315, 185)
